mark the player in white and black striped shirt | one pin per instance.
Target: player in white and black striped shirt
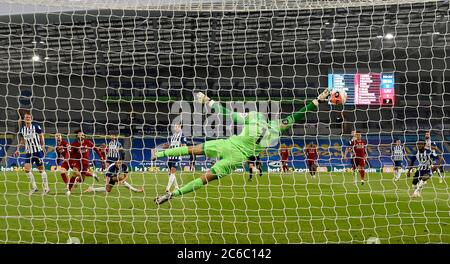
(398, 154)
(176, 140)
(426, 159)
(114, 150)
(32, 137)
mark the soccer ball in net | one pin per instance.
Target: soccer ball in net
(338, 97)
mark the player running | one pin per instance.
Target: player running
(117, 172)
(284, 158)
(254, 165)
(311, 158)
(62, 150)
(80, 155)
(257, 135)
(425, 159)
(398, 154)
(32, 137)
(103, 150)
(349, 149)
(359, 150)
(176, 140)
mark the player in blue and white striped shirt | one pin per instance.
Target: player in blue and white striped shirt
(117, 172)
(32, 137)
(114, 150)
(176, 140)
(398, 154)
(425, 157)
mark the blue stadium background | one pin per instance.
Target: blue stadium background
(330, 152)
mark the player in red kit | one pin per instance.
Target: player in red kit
(284, 154)
(349, 149)
(62, 150)
(311, 158)
(359, 150)
(80, 155)
(103, 151)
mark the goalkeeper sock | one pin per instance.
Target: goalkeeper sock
(44, 180)
(173, 152)
(32, 180)
(191, 186)
(127, 185)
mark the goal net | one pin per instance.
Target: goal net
(131, 69)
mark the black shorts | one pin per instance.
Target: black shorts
(35, 158)
(111, 160)
(172, 164)
(420, 173)
(111, 181)
(398, 163)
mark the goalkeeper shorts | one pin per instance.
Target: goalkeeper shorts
(230, 157)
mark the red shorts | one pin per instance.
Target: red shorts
(359, 162)
(311, 162)
(65, 165)
(83, 167)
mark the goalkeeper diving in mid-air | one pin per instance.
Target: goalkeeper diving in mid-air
(257, 135)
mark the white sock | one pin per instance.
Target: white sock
(32, 180)
(355, 175)
(175, 183)
(127, 185)
(171, 180)
(419, 186)
(440, 174)
(99, 189)
(44, 180)
(398, 174)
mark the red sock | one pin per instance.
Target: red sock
(362, 173)
(74, 180)
(64, 177)
(71, 183)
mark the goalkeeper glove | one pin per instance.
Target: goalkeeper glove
(201, 98)
(324, 95)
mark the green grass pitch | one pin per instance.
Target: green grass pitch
(276, 208)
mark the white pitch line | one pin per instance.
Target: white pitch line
(221, 216)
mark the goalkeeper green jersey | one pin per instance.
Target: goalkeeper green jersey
(258, 133)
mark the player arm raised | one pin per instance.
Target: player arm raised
(238, 118)
(298, 116)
